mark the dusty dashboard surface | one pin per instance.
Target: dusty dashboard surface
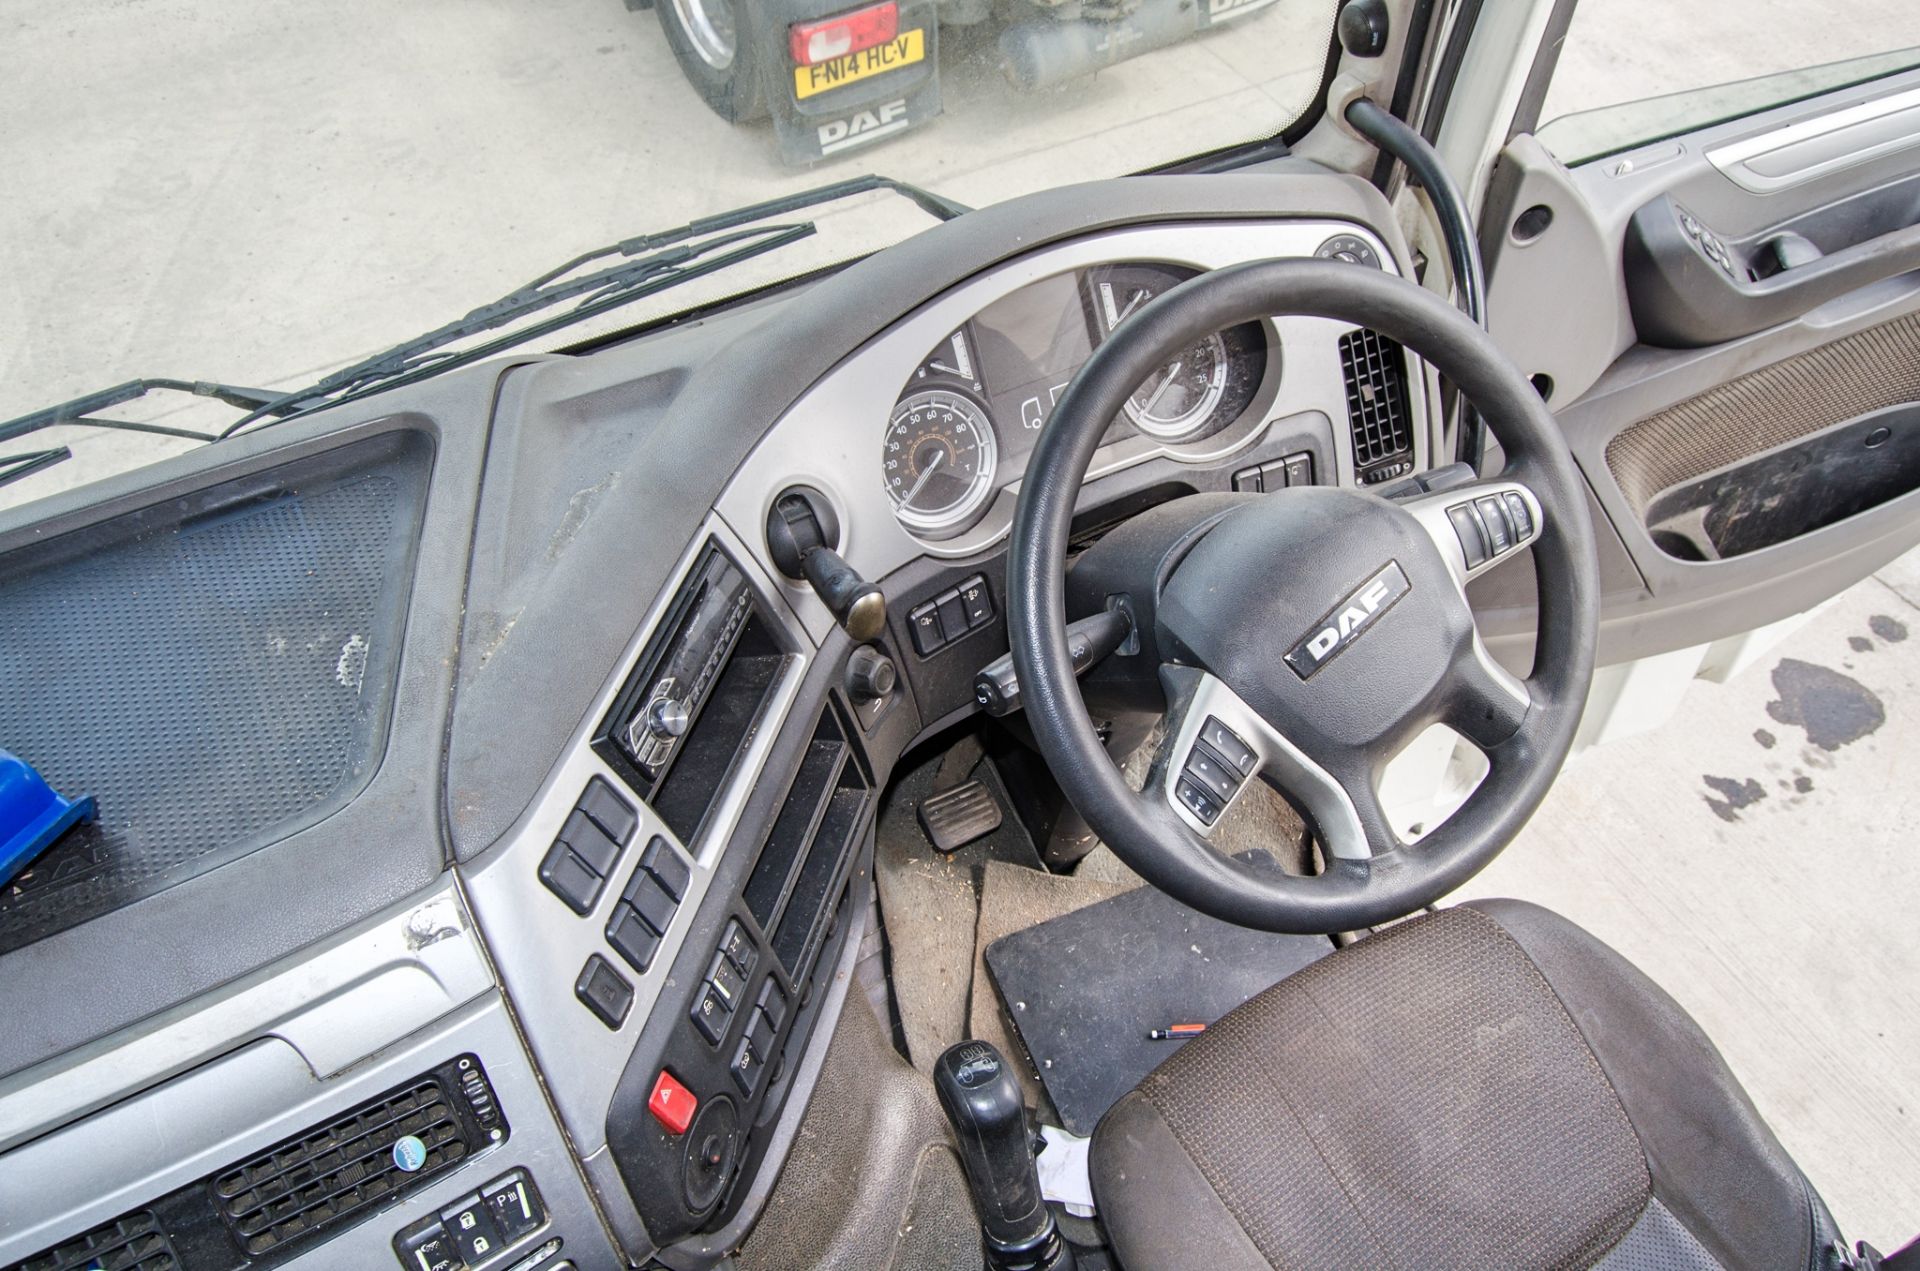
(587, 807)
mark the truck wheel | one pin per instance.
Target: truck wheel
(715, 43)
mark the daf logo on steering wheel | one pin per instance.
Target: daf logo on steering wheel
(1345, 622)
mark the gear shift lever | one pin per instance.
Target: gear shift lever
(982, 1101)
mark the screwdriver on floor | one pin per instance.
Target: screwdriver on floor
(1175, 1032)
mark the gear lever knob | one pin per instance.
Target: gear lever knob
(982, 1100)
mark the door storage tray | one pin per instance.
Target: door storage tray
(1790, 490)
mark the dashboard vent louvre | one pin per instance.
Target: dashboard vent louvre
(1376, 396)
(331, 1173)
(133, 1242)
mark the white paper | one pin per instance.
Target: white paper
(1063, 1171)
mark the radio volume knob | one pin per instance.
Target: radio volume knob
(667, 718)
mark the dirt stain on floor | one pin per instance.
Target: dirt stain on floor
(1835, 709)
(1892, 630)
(1735, 796)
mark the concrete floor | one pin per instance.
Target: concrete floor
(259, 192)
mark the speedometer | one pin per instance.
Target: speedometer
(939, 461)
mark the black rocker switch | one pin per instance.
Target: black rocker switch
(981, 1098)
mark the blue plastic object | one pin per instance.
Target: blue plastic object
(32, 815)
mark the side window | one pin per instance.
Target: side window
(1634, 71)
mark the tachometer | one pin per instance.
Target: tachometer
(1189, 396)
(939, 461)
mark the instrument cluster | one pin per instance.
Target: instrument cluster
(973, 409)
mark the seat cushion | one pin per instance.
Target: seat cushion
(1429, 1098)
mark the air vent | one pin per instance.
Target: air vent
(131, 1243)
(1376, 401)
(334, 1172)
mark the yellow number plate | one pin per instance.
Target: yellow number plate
(903, 50)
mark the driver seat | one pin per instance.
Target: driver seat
(1483, 1087)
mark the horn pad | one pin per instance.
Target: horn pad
(1328, 611)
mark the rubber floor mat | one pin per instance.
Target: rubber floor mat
(1085, 989)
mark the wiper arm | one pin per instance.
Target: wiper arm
(648, 264)
(78, 413)
(597, 292)
(13, 467)
(658, 261)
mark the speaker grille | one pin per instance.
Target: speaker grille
(130, 1243)
(328, 1175)
(1376, 396)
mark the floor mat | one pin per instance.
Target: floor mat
(1013, 899)
(872, 1181)
(928, 902)
(1085, 989)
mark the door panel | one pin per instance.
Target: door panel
(1727, 326)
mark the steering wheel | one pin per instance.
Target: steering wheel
(1308, 636)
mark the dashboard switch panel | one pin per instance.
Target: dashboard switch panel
(480, 1230)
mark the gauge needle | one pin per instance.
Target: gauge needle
(943, 368)
(921, 484)
(1165, 384)
(1132, 304)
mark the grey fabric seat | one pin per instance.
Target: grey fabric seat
(1485, 1087)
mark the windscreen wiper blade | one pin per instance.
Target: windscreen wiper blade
(653, 263)
(79, 413)
(647, 264)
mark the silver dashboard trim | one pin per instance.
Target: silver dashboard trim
(1785, 157)
(831, 437)
(332, 1005)
(539, 945)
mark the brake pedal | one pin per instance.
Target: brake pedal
(954, 818)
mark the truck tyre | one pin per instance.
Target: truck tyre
(718, 47)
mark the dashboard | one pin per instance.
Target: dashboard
(623, 831)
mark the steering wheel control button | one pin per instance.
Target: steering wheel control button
(671, 1103)
(1197, 800)
(604, 991)
(711, 1014)
(1466, 527)
(569, 878)
(1212, 773)
(1226, 743)
(609, 811)
(470, 1223)
(672, 873)
(515, 1206)
(1494, 516)
(1518, 513)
